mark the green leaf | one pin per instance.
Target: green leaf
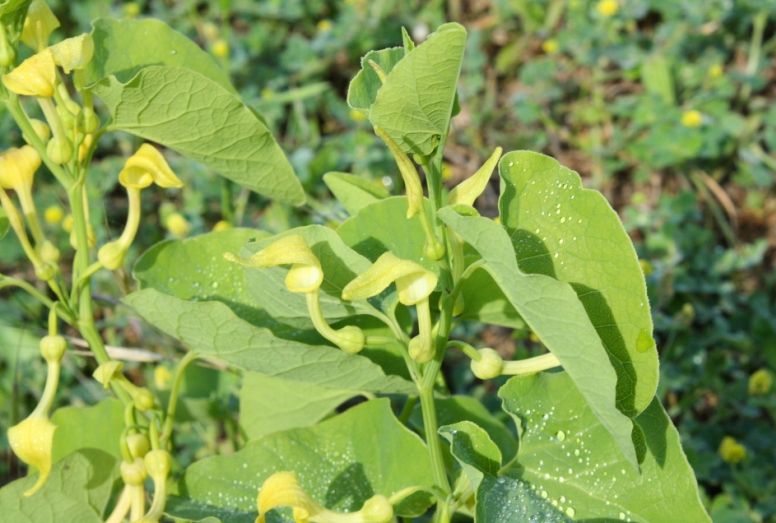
(5, 224)
(190, 510)
(415, 103)
(573, 235)
(123, 47)
(341, 463)
(485, 302)
(353, 192)
(552, 310)
(498, 499)
(567, 453)
(214, 330)
(363, 88)
(383, 226)
(456, 409)
(269, 404)
(190, 113)
(13, 12)
(78, 489)
(97, 427)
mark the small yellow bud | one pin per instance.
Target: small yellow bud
(222, 225)
(53, 214)
(221, 48)
(357, 116)
(177, 225)
(715, 71)
(413, 281)
(210, 31)
(48, 252)
(490, 365)
(646, 267)
(433, 248)
(325, 26)
(134, 473)
(73, 53)
(107, 371)
(138, 445)
(550, 46)
(760, 383)
(607, 8)
(38, 25)
(17, 168)
(162, 377)
(145, 167)
(351, 339)
(68, 223)
(36, 76)
(692, 118)
(306, 274)
(87, 121)
(52, 348)
(45, 271)
(60, 150)
(158, 464)
(267, 94)
(41, 129)
(447, 171)
(731, 451)
(143, 399)
(470, 189)
(31, 440)
(131, 9)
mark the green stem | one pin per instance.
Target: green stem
(407, 409)
(173, 402)
(426, 395)
(226, 201)
(531, 365)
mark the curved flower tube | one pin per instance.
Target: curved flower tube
(471, 188)
(17, 171)
(38, 25)
(282, 489)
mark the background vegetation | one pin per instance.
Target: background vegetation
(666, 106)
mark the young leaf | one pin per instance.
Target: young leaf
(498, 499)
(269, 404)
(212, 329)
(573, 235)
(340, 463)
(123, 47)
(415, 103)
(354, 192)
(105, 421)
(552, 310)
(363, 88)
(567, 453)
(195, 116)
(78, 489)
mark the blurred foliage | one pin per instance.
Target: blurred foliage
(667, 106)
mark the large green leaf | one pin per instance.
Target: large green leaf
(194, 115)
(340, 463)
(499, 499)
(13, 12)
(363, 88)
(269, 404)
(572, 234)
(568, 456)
(190, 510)
(78, 489)
(383, 226)
(97, 427)
(353, 192)
(415, 103)
(553, 311)
(214, 330)
(123, 47)
(5, 224)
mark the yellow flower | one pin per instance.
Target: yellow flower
(692, 118)
(178, 225)
(646, 267)
(282, 489)
(73, 53)
(408, 173)
(413, 281)
(731, 451)
(36, 76)
(267, 94)
(131, 9)
(357, 116)
(715, 71)
(53, 214)
(220, 48)
(31, 440)
(17, 168)
(550, 46)
(107, 371)
(608, 8)
(325, 26)
(447, 171)
(38, 25)
(222, 225)
(760, 383)
(67, 223)
(470, 189)
(162, 377)
(145, 167)
(306, 274)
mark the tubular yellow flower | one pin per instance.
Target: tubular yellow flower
(53, 214)
(222, 225)
(470, 189)
(731, 451)
(178, 225)
(608, 8)
(32, 440)
(692, 118)
(157, 464)
(17, 169)
(408, 173)
(306, 274)
(73, 53)
(760, 383)
(145, 167)
(38, 25)
(282, 489)
(36, 76)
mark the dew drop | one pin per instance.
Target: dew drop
(563, 220)
(544, 494)
(576, 452)
(214, 285)
(560, 435)
(570, 512)
(622, 515)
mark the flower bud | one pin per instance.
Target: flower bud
(490, 365)
(60, 150)
(88, 121)
(48, 252)
(158, 464)
(31, 440)
(134, 473)
(38, 25)
(221, 225)
(138, 445)
(351, 339)
(145, 167)
(760, 383)
(53, 214)
(52, 348)
(36, 76)
(66, 115)
(433, 248)
(143, 399)
(41, 129)
(111, 255)
(45, 271)
(107, 371)
(178, 225)
(731, 451)
(420, 349)
(377, 509)
(73, 53)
